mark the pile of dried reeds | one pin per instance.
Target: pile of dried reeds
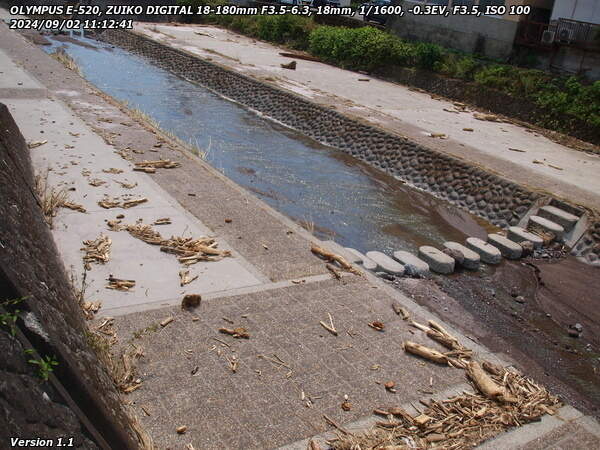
(50, 199)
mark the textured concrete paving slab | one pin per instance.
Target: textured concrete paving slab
(438, 262)
(412, 264)
(547, 225)
(559, 216)
(260, 406)
(488, 253)
(14, 81)
(385, 263)
(471, 259)
(518, 234)
(508, 248)
(395, 107)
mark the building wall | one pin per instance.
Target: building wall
(582, 10)
(491, 36)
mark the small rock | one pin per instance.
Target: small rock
(578, 327)
(520, 299)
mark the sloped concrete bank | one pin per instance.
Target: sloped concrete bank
(483, 193)
(89, 408)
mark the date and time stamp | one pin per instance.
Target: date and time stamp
(114, 16)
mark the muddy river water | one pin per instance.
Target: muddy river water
(344, 199)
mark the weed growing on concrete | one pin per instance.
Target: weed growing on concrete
(8, 319)
(45, 365)
(50, 198)
(65, 59)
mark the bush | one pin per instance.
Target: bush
(427, 55)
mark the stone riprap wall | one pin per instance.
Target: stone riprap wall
(487, 195)
(30, 266)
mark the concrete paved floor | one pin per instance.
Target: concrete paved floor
(260, 406)
(397, 108)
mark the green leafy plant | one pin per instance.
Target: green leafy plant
(8, 319)
(45, 365)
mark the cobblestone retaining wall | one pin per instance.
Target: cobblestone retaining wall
(487, 195)
(30, 266)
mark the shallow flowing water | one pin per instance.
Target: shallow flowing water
(321, 187)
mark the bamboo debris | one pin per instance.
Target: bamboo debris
(188, 250)
(238, 333)
(90, 309)
(425, 352)
(119, 284)
(74, 206)
(184, 277)
(96, 251)
(151, 166)
(459, 422)
(134, 202)
(108, 203)
(332, 257)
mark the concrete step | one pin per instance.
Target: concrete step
(546, 225)
(366, 262)
(438, 262)
(509, 249)
(385, 263)
(518, 235)
(559, 216)
(471, 259)
(488, 253)
(412, 264)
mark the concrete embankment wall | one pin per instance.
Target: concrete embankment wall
(485, 194)
(30, 266)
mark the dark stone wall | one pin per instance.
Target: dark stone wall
(30, 267)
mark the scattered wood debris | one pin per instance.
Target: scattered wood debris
(517, 150)
(425, 352)
(96, 182)
(127, 185)
(336, 273)
(74, 206)
(124, 373)
(468, 129)
(312, 445)
(167, 321)
(182, 429)
(486, 117)
(184, 277)
(90, 309)
(119, 284)
(377, 325)
(346, 405)
(238, 333)
(151, 166)
(96, 251)
(438, 135)
(330, 327)
(162, 221)
(36, 144)
(462, 421)
(134, 202)
(400, 311)
(332, 257)
(191, 301)
(112, 170)
(108, 203)
(390, 386)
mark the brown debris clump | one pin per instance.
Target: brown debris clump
(119, 284)
(96, 251)
(151, 166)
(238, 333)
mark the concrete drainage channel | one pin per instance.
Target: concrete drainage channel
(549, 224)
(487, 195)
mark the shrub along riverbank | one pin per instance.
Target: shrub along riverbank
(372, 49)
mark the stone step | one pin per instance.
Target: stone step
(509, 249)
(471, 259)
(412, 265)
(518, 235)
(559, 216)
(367, 263)
(547, 226)
(385, 263)
(488, 253)
(438, 262)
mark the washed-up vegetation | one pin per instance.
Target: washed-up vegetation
(369, 48)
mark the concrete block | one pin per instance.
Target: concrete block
(546, 225)
(471, 259)
(559, 216)
(488, 253)
(438, 262)
(508, 248)
(385, 263)
(412, 265)
(518, 235)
